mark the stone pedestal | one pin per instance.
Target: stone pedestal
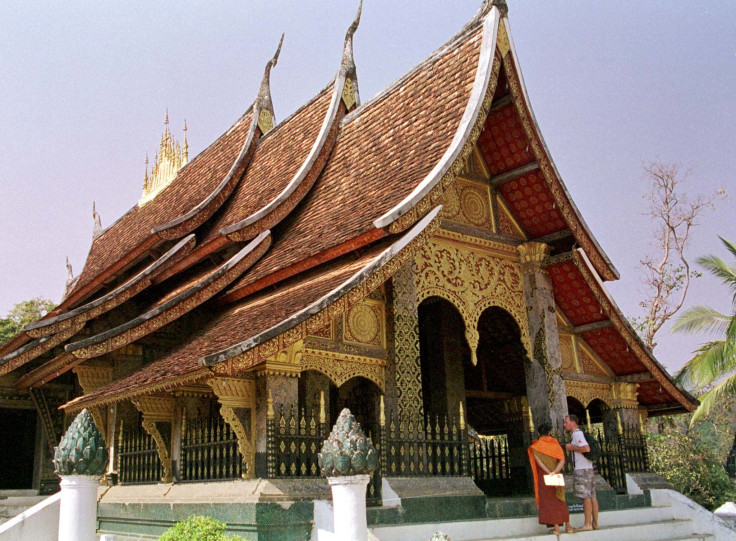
(78, 511)
(348, 500)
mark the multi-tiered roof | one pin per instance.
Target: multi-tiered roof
(272, 230)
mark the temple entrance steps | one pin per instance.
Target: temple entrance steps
(14, 502)
(671, 517)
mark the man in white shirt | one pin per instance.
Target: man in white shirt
(584, 473)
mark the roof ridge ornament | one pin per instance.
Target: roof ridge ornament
(350, 94)
(264, 104)
(485, 8)
(170, 157)
(98, 222)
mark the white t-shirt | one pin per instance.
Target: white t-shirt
(581, 463)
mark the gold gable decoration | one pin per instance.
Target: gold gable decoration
(170, 157)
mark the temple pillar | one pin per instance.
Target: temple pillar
(623, 412)
(237, 397)
(273, 392)
(545, 388)
(519, 432)
(158, 418)
(405, 364)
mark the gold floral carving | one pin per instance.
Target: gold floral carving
(585, 391)
(365, 324)
(502, 41)
(286, 362)
(348, 93)
(590, 364)
(553, 183)
(326, 331)
(533, 254)
(468, 203)
(567, 349)
(155, 410)
(623, 395)
(507, 224)
(341, 367)
(265, 120)
(237, 397)
(473, 279)
(91, 378)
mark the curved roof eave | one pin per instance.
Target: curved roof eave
(643, 353)
(114, 298)
(353, 290)
(165, 313)
(35, 348)
(426, 225)
(605, 267)
(400, 217)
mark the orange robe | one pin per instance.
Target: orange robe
(550, 500)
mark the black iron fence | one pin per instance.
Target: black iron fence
(139, 462)
(209, 451)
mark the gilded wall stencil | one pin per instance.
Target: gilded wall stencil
(507, 225)
(567, 349)
(589, 363)
(540, 355)
(475, 167)
(405, 304)
(585, 391)
(364, 323)
(326, 332)
(473, 274)
(237, 397)
(341, 367)
(469, 203)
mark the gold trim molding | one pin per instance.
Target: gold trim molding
(155, 410)
(341, 367)
(585, 391)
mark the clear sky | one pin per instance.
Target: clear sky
(85, 85)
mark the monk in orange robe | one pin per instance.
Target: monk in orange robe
(547, 457)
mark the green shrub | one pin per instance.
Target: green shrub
(198, 528)
(692, 466)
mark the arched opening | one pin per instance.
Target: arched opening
(444, 352)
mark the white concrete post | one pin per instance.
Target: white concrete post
(348, 501)
(78, 512)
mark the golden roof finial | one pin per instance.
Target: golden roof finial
(185, 145)
(169, 158)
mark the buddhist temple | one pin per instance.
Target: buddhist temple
(415, 257)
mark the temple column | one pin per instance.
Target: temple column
(544, 384)
(273, 392)
(404, 373)
(623, 412)
(237, 397)
(158, 418)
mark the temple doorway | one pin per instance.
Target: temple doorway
(19, 428)
(492, 391)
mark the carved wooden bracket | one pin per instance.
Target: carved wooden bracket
(237, 397)
(92, 377)
(158, 415)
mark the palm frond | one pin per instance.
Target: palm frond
(703, 319)
(713, 398)
(720, 269)
(712, 361)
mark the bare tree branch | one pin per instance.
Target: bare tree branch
(666, 273)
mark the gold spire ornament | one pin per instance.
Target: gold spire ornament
(170, 157)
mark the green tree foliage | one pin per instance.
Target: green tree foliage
(692, 459)
(712, 370)
(198, 528)
(21, 315)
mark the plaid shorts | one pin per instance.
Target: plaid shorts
(583, 482)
